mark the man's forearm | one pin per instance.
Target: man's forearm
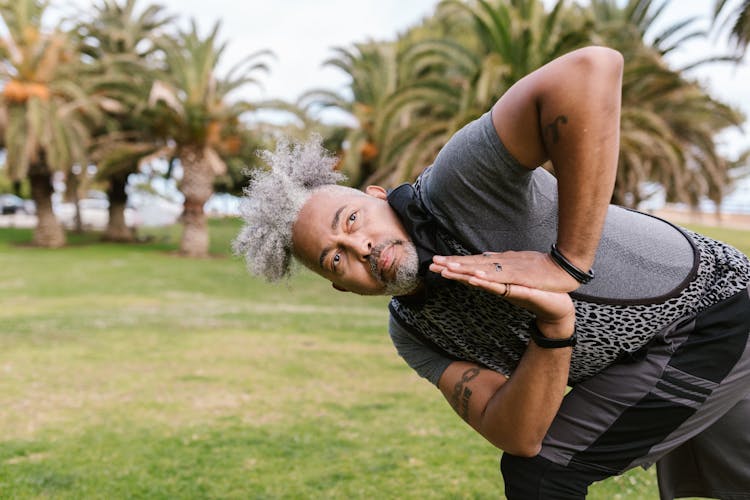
(579, 115)
(512, 414)
(529, 401)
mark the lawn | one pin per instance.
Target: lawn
(129, 372)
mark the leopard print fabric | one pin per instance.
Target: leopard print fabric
(474, 325)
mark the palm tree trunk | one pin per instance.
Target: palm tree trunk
(48, 232)
(197, 186)
(117, 229)
(72, 186)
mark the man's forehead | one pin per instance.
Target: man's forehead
(328, 199)
(316, 217)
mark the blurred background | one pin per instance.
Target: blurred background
(138, 360)
(117, 115)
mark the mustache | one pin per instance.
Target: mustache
(375, 256)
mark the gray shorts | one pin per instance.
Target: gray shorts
(712, 464)
(689, 394)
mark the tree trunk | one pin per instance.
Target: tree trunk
(197, 186)
(73, 185)
(117, 229)
(48, 232)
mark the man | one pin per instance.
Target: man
(489, 261)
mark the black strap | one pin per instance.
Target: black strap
(569, 267)
(547, 343)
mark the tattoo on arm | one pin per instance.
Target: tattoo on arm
(459, 399)
(552, 129)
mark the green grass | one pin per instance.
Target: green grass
(129, 372)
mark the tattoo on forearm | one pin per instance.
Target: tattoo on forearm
(552, 129)
(465, 404)
(461, 394)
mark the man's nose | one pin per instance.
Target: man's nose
(362, 246)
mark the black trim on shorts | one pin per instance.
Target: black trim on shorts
(718, 341)
(674, 391)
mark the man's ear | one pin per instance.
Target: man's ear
(340, 289)
(377, 192)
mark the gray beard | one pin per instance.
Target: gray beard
(406, 279)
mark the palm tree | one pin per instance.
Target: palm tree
(667, 122)
(740, 31)
(48, 113)
(376, 74)
(453, 81)
(243, 156)
(195, 113)
(520, 35)
(120, 44)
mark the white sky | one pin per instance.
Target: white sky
(302, 32)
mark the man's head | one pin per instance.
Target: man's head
(356, 241)
(351, 238)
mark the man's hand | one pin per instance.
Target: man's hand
(530, 269)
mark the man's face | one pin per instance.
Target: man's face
(356, 241)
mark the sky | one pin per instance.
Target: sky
(302, 33)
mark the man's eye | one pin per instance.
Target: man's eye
(353, 217)
(336, 259)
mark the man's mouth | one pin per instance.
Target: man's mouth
(382, 260)
(385, 260)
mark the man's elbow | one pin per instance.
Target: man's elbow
(523, 450)
(518, 444)
(600, 59)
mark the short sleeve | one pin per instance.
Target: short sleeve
(426, 362)
(483, 196)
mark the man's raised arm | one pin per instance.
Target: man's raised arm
(568, 111)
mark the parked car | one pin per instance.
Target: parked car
(12, 204)
(94, 213)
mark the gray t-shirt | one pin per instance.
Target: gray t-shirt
(647, 271)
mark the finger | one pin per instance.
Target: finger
(495, 287)
(464, 272)
(503, 289)
(462, 278)
(541, 302)
(516, 294)
(509, 290)
(465, 259)
(467, 268)
(437, 268)
(458, 268)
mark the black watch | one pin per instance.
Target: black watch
(547, 343)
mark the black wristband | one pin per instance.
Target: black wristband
(568, 267)
(547, 343)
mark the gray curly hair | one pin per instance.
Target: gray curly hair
(273, 200)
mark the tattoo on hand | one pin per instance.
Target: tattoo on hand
(552, 128)
(459, 399)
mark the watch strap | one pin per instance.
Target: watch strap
(547, 343)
